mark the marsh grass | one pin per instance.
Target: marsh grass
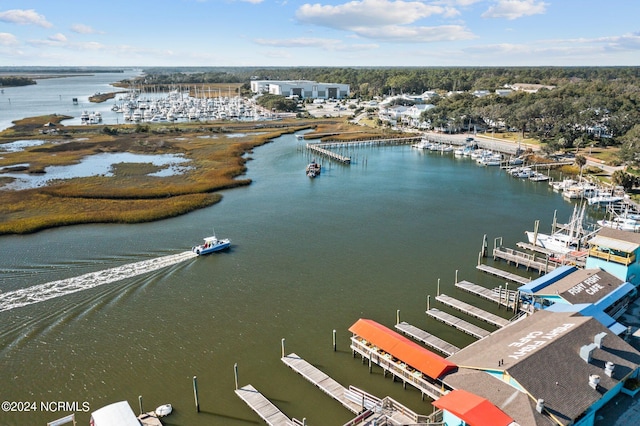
(131, 195)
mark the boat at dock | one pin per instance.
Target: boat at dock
(566, 238)
(211, 244)
(313, 169)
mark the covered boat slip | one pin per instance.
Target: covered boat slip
(400, 356)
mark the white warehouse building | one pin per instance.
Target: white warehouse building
(303, 89)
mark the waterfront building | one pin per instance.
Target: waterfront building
(616, 252)
(568, 288)
(550, 368)
(302, 89)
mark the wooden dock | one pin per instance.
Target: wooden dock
(322, 381)
(472, 310)
(503, 274)
(332, 155)
(458, 323)
(263, 407)
(519, 258)
(427, 338)
(502, 297)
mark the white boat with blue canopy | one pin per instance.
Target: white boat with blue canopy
(211, 244)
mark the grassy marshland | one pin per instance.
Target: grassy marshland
(131, 196)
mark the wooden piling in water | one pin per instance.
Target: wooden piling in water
(195, 393)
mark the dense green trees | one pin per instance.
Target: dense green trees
(588, 105)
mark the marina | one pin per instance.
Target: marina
(224, 309)
(505, 297)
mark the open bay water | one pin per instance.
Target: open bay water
(307, 257)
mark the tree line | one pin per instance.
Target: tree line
(587, 105)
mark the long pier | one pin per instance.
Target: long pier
(321, 381)
(500, 296)
(502, 274)
(263, 407)
(321, 148)
(427, 338)
(458, 323)
(471, 310)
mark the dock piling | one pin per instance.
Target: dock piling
(140, 404)
(334, 340)
(282, 345)
(437, 290)
(235, 374)
(195, 392)
(397, 316)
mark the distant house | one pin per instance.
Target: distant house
(503, 92)
(529, 88)
(302, 89)
(480, 93)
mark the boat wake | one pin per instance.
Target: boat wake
(39, 293)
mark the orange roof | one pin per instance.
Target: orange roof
(405, 350)
(472, 409)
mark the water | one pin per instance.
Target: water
(55, 96)
(308, 256)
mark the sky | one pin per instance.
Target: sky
(143, 33)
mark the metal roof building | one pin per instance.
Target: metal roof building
(302, 89)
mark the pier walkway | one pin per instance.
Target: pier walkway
(500, 296)
(458, 323)
(264, 408)
(519, 258)
(427, 338)
(473, 311)
(503, 274)
(321, 381)
(327, 153)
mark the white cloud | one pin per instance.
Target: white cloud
(385, 20)
(311, 42)
(409, 34)
(59, 38)
(366, 12)
(514, 9)
(7, 39)
(25, 17)
(83, 29)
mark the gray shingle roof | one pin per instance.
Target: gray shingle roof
(541, 354)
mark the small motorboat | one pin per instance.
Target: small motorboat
(313, 169)
(211, 244)
(164, 410)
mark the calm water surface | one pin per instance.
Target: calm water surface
(308, 257)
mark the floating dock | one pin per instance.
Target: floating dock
(322, 381)
(458, 323)
(503, 274)
(427, 338)
(500, 296)
(263, 407)
(472, 310)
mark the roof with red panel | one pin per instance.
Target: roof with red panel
(418, 357)
(472, 409)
